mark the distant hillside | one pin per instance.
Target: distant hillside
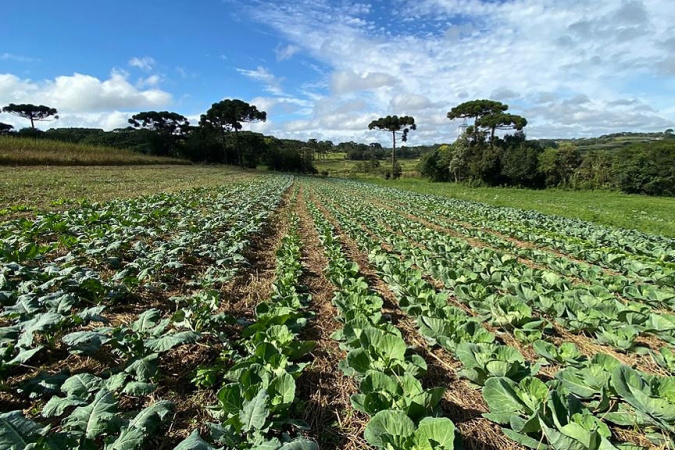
(613, 141)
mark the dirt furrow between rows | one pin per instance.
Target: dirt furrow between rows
(327, 391)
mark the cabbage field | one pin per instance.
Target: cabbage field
(276, 312)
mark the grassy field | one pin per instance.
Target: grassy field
(638, 212)
(31, 152)
(340, 167)
(38, 188)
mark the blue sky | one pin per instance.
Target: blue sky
(323, 69)
(195, 48)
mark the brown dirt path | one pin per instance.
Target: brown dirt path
(333, 422)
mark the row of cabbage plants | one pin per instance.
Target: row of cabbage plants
(257, 403)
(573, 410)
(496, 283)
(49, 298)
(643, 257)
(46, 303)
(623, 286)
(403, 414)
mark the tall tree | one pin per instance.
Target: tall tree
(214, 121)
(169, 127)
(161, 121)
(5, 128)
(228, 115)
(34, 113)
(394, 124)
(457, 157)
(476, 109)
(558, 165)
(501, 121)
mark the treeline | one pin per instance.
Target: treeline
(217, 138)
(375, 151)
(481, 156)
(196, 144)
(640, 168)
(617, 140)
(206, 144)
(643, 163)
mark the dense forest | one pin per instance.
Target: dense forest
(635, 163)
(640, 168)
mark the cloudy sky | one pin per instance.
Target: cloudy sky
(324, 69)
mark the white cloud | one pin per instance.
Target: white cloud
(82, 93)
(667, 66)
(182, 72)
(83, 99)
(503, 94)
(283, 105)
(105, 120)
(598, 117)
(146, 63)
(286, 52)
(348, 81)
(20, 58)
(272, 83)
(561, 64)
(409, 103)
(151, 81)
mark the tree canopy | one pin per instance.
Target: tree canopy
(489, 115)
(161, 121)
(164, 130)
(475, 109)
(501, 121)
(228, 115)
(394, 124)
(34, 113)
(5, 128)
